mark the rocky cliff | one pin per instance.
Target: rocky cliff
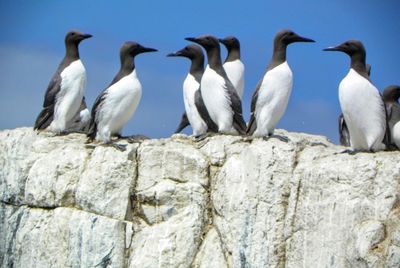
(220, 202)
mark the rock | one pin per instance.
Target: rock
(224, 201)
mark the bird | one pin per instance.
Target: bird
(219, 95)
(118, 102)
(360, 101)
(196, 112)
(344, 135)
(272, 93)
(233, 66)
(81, 120)
(65, 91)
(391, 95)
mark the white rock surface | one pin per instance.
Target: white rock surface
(221, 202)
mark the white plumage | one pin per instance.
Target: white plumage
(216, 100)
(73, 84)
(119, 104)
(235, 72)
(190, 87)
(363, 111)
(395, 132)
(273, 97)
(85, 116)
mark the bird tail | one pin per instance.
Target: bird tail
(45, 118)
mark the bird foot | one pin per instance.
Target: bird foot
(132, 138)
(281, 138)
(204, 136)
(120, 147)
(352, 152)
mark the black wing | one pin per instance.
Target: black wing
(253, 123)
(183, 124)
(93, 121)
(45, 117)
(344, 134)
(387, 140)
(77, 124)
(236, 104)
(201, 108)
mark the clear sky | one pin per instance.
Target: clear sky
(32, 46)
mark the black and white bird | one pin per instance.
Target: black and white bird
(344, 135)
(362, 106)
(272, 93)
(391, 96)
(219, 95)
(81, 120)
(118, 102)
(233, 66)
(196, 112)
(66, 89)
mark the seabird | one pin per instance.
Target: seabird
(219, 95)
(196, 112)
(272, 93)
(344, 135)
(362, 106)
(66, 89)
(118, 102)
(391, 96)
(81, 121)
(233, 66)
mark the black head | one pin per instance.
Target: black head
(287, 37)
(351, 47)
(133, 49)
(391, 94)
(75, 37)
(191, 52)
(209, 42)
(230, 42)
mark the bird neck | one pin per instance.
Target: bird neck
(358, 64)
(72, 51)
(214, 58)
(197, 68)
(278, 56)
(233, 54)
(127, 64)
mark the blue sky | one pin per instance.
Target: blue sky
(32, 46)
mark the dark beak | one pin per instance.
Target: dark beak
(222, 41)
(171, 55)
(147, 49)
(337, 48)
(192, 39)
(299, 38)
(86, 36)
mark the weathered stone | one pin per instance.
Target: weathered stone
(225, 201)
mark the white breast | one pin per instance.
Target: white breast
(190, 87)
(363, 111)
(273, 98)
(216, 99)
(73, 84)
(395, 132)
(119, 105)
(235, 71)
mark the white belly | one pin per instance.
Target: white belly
(190, 87)
(216, 99)
(273, 98)
(363, 112)
(235, 72)
(118, 107)
(395, 132)
(73, 84)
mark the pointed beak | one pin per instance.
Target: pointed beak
(304, 39)
(337, 48)
(148, 49)
(86, 36)
(171, 55)
(192, 39)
